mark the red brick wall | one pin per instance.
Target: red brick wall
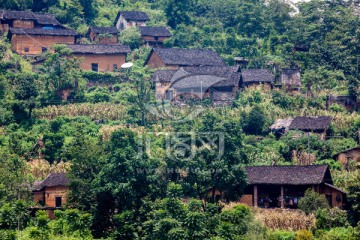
(23, 24)
(38, 197)
(105, 62)
(52, 192)
(247, 199)
(35, 43)
(155, 61)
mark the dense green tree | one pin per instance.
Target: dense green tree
(313, 201)
(26, 91)
(176, 12)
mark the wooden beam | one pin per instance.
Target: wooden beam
(282, 197)
(255, 196)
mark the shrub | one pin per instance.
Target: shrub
(117, 87)
(339, 234)
(7, 234)
(304, 235)
(335, 217)
(337, 108)
(281, 235)
(98, 97)
(312, 201)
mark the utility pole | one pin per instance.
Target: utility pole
(308, 160)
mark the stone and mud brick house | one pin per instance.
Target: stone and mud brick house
(129, 19)
(51, 193)
(220, 83)
(35, 41)
(100, 57)
(174, 58)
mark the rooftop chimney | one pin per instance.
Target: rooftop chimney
(241, 62)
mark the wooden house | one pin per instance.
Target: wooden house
(100, 57)
(284, 186)
(154, 36)
(255, 77)
(350, 154)
(34, 41)
(312, 124)
(174, 58)
(103, 35)
(291, 78)
(128, 19)
(221, 84)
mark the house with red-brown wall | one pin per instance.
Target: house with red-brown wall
(51, 193)
(34, 41)
(16, 19)
(100, 57)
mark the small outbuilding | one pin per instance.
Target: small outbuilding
(154, 36)
(103, 35)
(314, 124)
(350, 154)
(128, 19)
(255, 77)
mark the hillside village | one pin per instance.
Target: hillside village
(180, 120)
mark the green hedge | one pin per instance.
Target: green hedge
(104, 78)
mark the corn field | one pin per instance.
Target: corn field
(40, 168)
(106, 111)
(285, 219)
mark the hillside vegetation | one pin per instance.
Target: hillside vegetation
(113, 139)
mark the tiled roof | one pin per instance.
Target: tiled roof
(132, 15)
(46, 19)
(188, 57)
(103, 30)
(288, 175)
(54, 179)
(23, 15)
(99, 48)
(204, 76)
(281, 124)
(257, 75)
(310, 123)
(155, 31)
(163, 75)
(41, 31)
